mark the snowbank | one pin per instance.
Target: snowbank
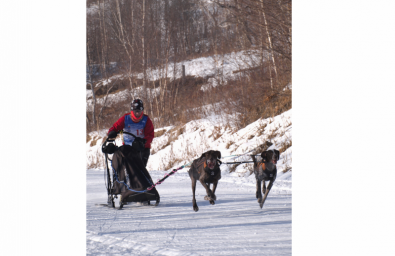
(179, 145)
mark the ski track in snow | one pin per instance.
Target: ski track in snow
(235, 225)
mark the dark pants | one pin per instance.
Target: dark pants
(145, 155)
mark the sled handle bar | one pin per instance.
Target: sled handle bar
(129, 134)
(113, 139)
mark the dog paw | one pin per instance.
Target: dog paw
(212, 202)
(214, 197)
(206, 198)
(196, 208)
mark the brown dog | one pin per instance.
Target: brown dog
(206, 170)
(265, 170)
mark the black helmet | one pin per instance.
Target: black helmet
(137, 104)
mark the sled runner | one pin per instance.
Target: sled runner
(127, 176)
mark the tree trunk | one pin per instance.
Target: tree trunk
(123, 41)
(270, 45)
(142, 40)
(167, 65)
(103, 37)
(88, 62)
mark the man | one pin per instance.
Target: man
(137, 123)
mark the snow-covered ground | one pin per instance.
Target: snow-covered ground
(234, 226)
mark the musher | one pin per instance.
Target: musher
(137, 123)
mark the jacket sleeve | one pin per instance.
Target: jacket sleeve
(118, 125)
(149, 133)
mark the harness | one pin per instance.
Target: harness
(268, 170)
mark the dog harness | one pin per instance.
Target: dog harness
(208, 170)
(267, 170)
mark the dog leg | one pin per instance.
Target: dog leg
(266, 193)
(214, 188)
(195, 207)
(263, 192)
(263, 187)
(207, 197)
(258, 190)
(208, 191)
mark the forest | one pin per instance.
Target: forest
(128, 39)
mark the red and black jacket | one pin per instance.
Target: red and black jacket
(148, 128)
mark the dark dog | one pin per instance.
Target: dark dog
(206, 170)
(265, 170)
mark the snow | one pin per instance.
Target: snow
(235, 225)
(213, 67)
(119, 96)
(223, 65)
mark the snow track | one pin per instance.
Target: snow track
(235, 225)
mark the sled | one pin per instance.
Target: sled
(126, 175)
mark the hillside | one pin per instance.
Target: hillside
(137, 49)
(175, 146)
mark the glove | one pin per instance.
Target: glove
(109, 149)
(141, 140)
(112, 134)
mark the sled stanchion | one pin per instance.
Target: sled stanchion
(110, 200)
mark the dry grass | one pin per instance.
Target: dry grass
(173, 135)
(230, 143)
(233, 167)
(94, 141)
(96, 160)
(287, 168)
(177, 130)
(287, 144)
(277, 102)
(216, 133)
(261, 129)
(88, 138)
(159, 133)
(262, 147)
(272, 134)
